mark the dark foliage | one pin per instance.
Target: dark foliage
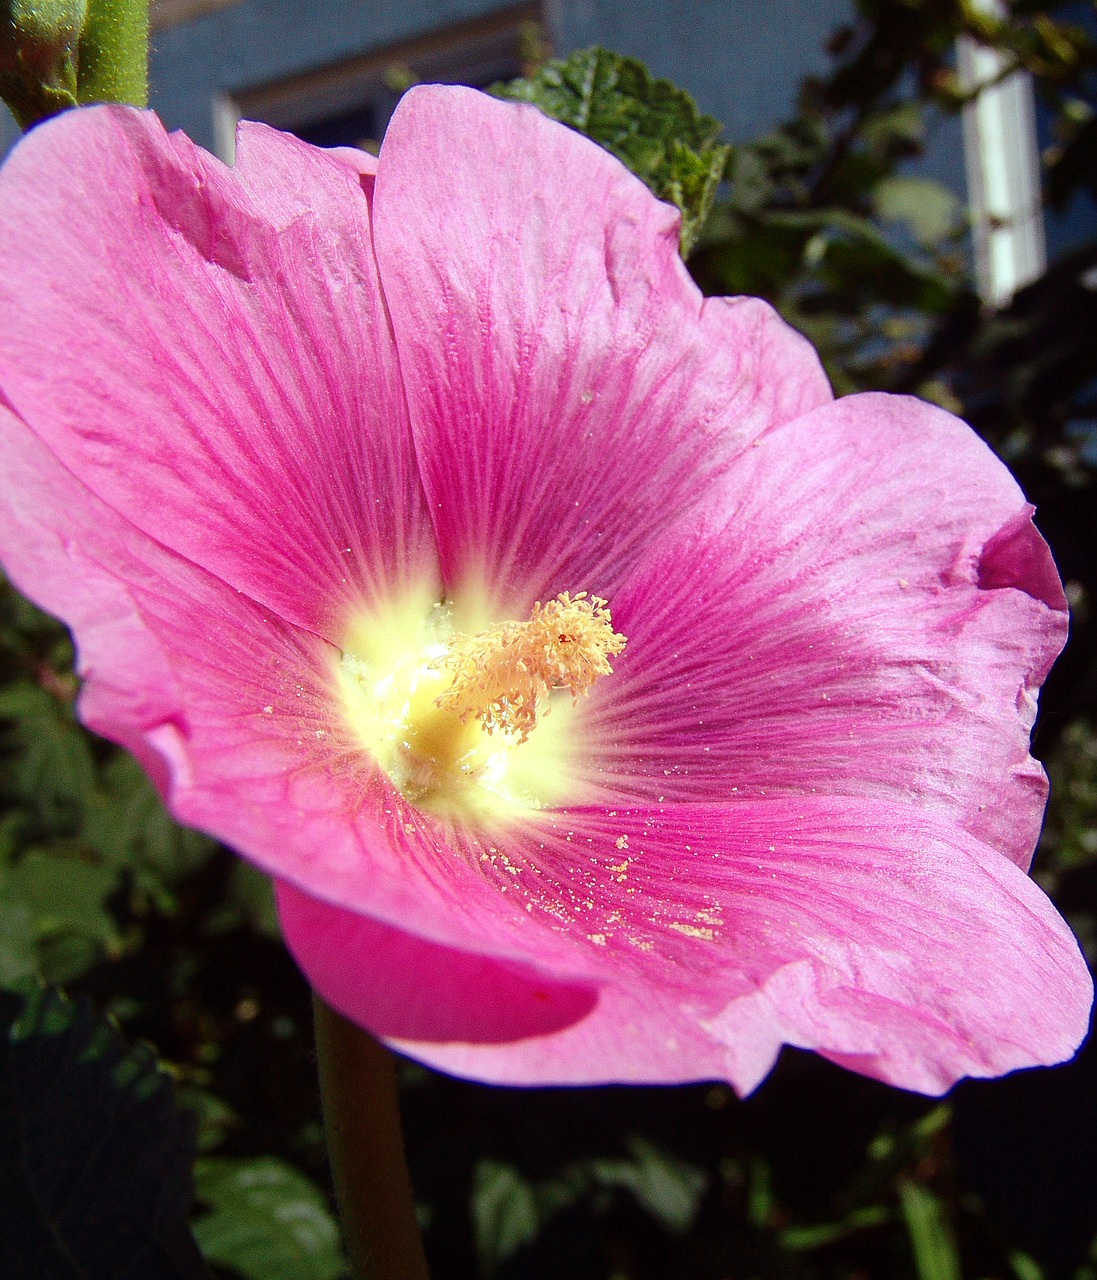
(95, 1156)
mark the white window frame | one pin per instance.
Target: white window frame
(312, 96)
(1002, 158)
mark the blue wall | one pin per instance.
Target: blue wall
(259, 41)
(742, 61)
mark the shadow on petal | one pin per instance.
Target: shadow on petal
(402, 987)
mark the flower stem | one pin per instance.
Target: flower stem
(366, 1146)
(114, 53)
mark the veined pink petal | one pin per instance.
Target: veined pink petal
(236, 716)
(571, 392)
(229, 707)
(878, 935)
(863, 608)
(814, 748)
(356, 961)
(228, 380)
(129, 690)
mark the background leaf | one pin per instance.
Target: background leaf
(504, 1212)
(266, 1221)
(94, 1154)
(650, 125)
(930, 211)
(931, 1236)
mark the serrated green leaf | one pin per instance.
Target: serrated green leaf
(94, 1154)
(650, 125)
(50, 765)
(266, 1220)
(504, 1212)
(127, 824)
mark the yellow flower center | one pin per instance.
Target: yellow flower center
(446, 714)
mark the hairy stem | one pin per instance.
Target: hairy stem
(114, 53)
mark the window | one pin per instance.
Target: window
(349, 104)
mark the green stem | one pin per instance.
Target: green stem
(114, 53)
(366, 1146)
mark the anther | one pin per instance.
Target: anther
(503, 676)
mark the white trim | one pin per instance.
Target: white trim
(226, 116)
(1003, 169)
(447, 55)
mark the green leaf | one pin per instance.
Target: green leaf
(249, 903)
(669, 1188)
(1069, 839)
(266, 1221)
(761, 1202)
(504, 1212)
(650, 125)
(51, 766)
(18, 942)
(214, 1116)
(64, 893)
(127, 825)
(94, 1154)
(895, 130)
(930, 210)
(252, 893)
(1026, 1268)
(56, 902)
(804, 1239)
(936, 1255)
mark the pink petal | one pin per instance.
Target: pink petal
(231, 709)
(864, 609)
(219, 473)
(870, 932)
(236, 716)
(352, 958)
(228, 380)
(129, 692)
(571, 392)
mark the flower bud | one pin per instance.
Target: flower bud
(38, 56)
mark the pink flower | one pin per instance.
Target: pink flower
(281, 442)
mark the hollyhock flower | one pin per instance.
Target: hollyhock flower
(609, 703)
